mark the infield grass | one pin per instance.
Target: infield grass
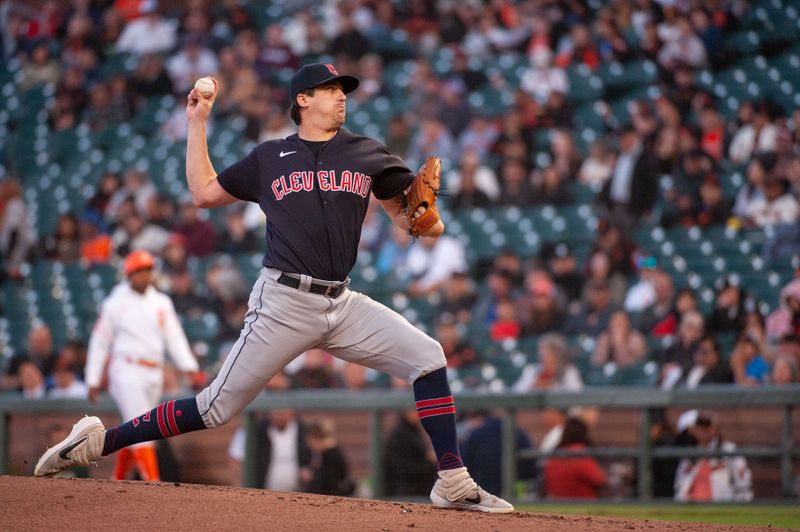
(776, 515)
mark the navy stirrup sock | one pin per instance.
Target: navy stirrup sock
(164, 421)
(437, 413)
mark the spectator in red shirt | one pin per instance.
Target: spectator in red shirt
(507, 324)
(573, 478)
(578, 47)
(713, 139)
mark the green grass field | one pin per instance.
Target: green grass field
(778, 515)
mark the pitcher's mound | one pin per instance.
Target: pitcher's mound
(46, 504)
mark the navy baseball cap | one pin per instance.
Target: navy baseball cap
(316, 74)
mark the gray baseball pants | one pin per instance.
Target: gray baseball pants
(283, 322)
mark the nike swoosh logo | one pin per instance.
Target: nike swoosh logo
(63, 454)
(285, 153)
(475, 499)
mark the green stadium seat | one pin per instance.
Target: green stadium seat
(397, 46)
(512, 65)
(726, 342)
(587, 116)
(598, 376)
(62, 145)
(508, 368)
(249, 265)
(490, 101)
(116, 63)
(743, 43)
(640, 374)
(201, 329)
(584, 86)
(471, 376)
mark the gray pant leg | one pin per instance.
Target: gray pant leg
(281, 323)
(368, 333)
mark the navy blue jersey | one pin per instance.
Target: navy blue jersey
(315, 204)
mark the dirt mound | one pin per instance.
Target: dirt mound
(28, 503)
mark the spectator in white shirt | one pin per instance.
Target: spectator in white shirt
(31, 380)
(642, 293)
(554, 371)
(479, 136)
(542, 78)
(192, 62)
(150, 33)
(66, 385)
(553, 420)
(752, 191)
(777, 207)
(433, 138)
(281, 451)
(136, 186)
(134, 232)
(431, 262)
(16, 234)
(756, 137)
(682, 46)
(483, 176)
(597, 167)
(725, 479)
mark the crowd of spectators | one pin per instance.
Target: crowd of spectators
(665, 165)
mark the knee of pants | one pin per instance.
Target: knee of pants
(433, 359)
(438, 358)
(211, 410)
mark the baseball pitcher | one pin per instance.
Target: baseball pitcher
(314, 187)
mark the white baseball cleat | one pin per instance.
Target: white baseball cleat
(82, 447)
(456, 489)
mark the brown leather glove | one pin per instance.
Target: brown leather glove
(423, 193)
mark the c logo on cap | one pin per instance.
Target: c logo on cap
(332, 69)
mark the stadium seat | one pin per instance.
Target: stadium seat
(584, 86)
(743, 43)
(58, 169)
(201, 329)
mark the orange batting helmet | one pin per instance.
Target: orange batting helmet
(138, 260)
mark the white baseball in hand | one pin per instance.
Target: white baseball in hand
(205, 86)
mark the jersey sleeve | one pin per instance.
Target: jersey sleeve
(99, 346)
(242, 179)
(393, 177)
